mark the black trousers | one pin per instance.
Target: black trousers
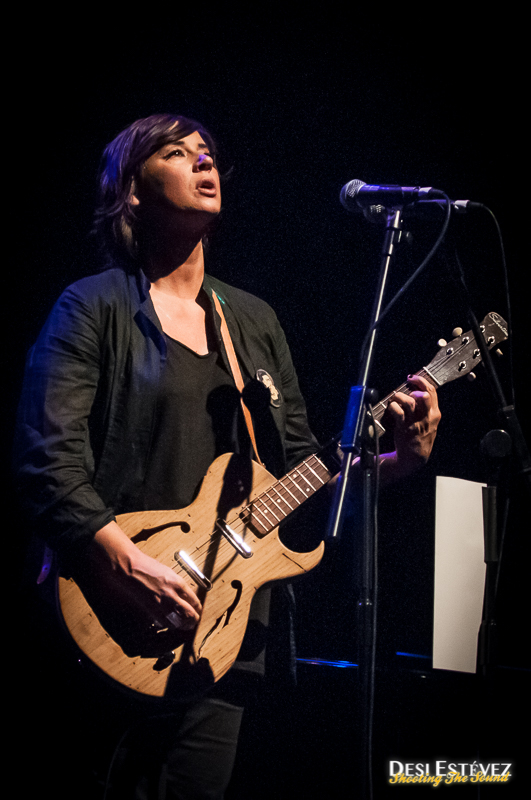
(185, 755)
(75, 735)
(85, 739)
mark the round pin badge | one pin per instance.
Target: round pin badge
(265, 378)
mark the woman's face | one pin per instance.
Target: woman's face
(180, 179)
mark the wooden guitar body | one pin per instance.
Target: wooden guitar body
(143, 656)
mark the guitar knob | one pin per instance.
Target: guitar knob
(457, 332)
(471, 376)
(442, 342)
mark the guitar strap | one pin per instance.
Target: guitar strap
(236, 373)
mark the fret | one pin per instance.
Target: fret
(250, 516)
(253, 510)
(261, 527)
(287, 490)
(269, 507)
(310, 478)
(304, 479)
(316, 475)
(283, 499)
(295, 485)
(265, 509)
(321, 469)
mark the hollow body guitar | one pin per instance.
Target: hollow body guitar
(226, 545)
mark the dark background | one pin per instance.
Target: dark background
(300, 104)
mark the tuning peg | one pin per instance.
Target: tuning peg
(442, 342)
(457, 332)
(498, 352)
(471, 376)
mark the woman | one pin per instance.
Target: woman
(129, 396)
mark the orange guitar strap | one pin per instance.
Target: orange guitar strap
(236, 373)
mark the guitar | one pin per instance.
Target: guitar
(226, 545)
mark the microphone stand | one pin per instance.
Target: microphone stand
(497, 445)
(507, 454)
(357, 440)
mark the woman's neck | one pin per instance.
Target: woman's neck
(178, 270)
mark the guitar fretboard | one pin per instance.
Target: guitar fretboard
(286, 495)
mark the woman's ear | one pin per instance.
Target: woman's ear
(133, 197)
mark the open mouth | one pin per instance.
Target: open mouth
(208, 188)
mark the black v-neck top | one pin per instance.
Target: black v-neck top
(196, 420)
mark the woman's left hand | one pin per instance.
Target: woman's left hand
(416, 417)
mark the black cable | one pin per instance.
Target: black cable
(412, 278)
(467, 297)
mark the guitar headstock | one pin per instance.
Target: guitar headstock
(454, 359)
(462, 354)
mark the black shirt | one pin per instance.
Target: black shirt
(195, 421)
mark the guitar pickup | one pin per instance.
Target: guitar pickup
(193, 570)
(234, 539)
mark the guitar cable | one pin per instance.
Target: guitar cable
(413, 277)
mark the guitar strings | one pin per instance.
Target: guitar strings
(247, 516)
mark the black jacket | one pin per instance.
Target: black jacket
(89, 398)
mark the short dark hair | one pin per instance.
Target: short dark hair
(115, 222)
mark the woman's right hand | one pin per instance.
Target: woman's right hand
(162, 594)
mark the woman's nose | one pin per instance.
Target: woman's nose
(205, 161)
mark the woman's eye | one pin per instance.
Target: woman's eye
(176, 152)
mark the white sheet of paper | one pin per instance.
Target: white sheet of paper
(459, 573)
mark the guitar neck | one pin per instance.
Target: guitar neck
(272, 507)
(453, 360)
(268, 510)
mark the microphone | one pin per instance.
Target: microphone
(356, 195)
